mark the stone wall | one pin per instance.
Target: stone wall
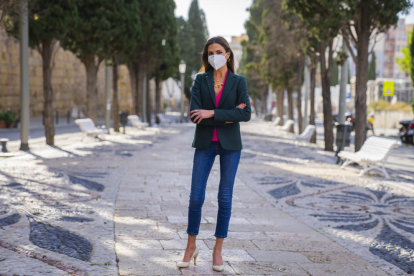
(68, 81)
(390, 119)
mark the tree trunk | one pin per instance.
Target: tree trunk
(290, 107)
(299, 77)
(115, 104)
(133, 78)
(148, 102)
(280, 97)
(312, 97)
(264, 101)
(135, 73)
(140, 90)
(362, 77)
(326, 95)
(47, 50)
(158, 86)
(91, 89)
(256, 110)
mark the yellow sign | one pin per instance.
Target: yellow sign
(388, 89)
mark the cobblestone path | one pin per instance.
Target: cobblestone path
(119, 207)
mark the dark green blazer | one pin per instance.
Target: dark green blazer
(233, 94)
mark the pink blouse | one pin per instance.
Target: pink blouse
(215, 136)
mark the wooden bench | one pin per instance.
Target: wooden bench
(136, 122)
(305, 136)
(372, 155)
(87, 126)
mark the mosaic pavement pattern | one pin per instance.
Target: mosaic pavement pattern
(57, 206)
(371, 216)
(57, 210)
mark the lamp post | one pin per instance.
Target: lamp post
(182, 72)
(24, 75)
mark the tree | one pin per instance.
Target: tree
(411, 64)
(165, 58)
(404, 63)
(282, 46)
(322, 22)
(196, 19)
(252, 55)
(360, 21)
(49, 21)
(126, 26)
(372, 74)
(186, 44)
(193, 35)
(89, 42)
(313, 54)
(334, 74)
(167, 64)
(8, 7)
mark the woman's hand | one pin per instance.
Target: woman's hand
(242, 105)
(200, 114)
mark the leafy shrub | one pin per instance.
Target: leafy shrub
(387, 106)
(7, 117)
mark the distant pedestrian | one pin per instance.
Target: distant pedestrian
(219, 101)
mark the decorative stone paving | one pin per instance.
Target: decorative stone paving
(57, 205)
(64, 210)
(371, 216)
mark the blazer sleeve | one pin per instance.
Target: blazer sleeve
(195, 103)
(236, 114)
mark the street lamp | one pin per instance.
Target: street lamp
(181, 68)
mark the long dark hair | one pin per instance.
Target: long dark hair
(204, 58)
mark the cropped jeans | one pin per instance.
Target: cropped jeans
(202, 164)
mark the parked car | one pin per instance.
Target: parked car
(407, 131)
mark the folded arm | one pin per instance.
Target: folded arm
(195, 103)
(236, 114)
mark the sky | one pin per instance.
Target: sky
(224, 17)
(409, 19)
(227, 17)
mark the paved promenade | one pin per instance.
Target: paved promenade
(119, 207)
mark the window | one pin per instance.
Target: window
(398, 36)
(398, 48)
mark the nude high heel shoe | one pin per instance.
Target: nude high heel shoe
(187, 264)
(218, 267)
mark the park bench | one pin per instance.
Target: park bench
(163, 119)
(285, 128)
(88, 127)
(305, 136)
(372, 155)
(275, 122)
(136, 122)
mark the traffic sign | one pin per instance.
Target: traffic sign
(388, 89)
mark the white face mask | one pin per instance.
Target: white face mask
(217, 61)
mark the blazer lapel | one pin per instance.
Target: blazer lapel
(210, 83)
(227, 86)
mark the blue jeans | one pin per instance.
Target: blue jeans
(202, 164)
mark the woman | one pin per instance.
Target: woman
(219, 101)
